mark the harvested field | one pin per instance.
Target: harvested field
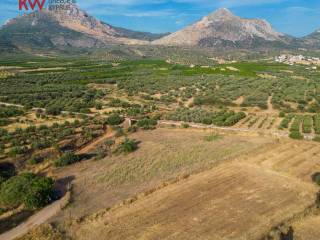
(231, 201)
(163, 154)
(295, 158)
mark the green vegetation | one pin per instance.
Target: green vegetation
(26, 143)
(198, 115)
(213, 138)
(114, 119)
(69, 88)
(286, 121)
(9, 111)
(67, 159)
(316, 121)
(27, 188)
(147, 123)
(296, 135)
(127, 146)
(307, 124)
(296, 125)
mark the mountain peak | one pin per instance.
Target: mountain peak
(221, 14)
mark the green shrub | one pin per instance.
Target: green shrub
(35, 160)
(185, 125)
(67, 159)
(286, 121)
(307, 124)
(296, 135)
(282, 114)
(119, 132)
(29, 189)
(147, 124)
(295, 126)
(114, 119)
(127, 146)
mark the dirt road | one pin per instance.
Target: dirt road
(37, 219)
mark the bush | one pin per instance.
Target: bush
(127, 146)
(147, 124)
(282, 114)
(119, 132)
(67, 159)
(185, 125)
(29, 189)
(286, 121)
(307, 124)
(53, 110)
(296, 135)
(114, 119)
(35, 160)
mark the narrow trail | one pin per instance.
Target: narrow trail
(91, 146)
(270, 106)
(37, 219)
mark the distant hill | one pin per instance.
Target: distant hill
(223, 29)
(312, 40)
(75, 28)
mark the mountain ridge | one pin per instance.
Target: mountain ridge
(222, 26)
(76, 28)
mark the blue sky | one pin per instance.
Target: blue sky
(294, 17)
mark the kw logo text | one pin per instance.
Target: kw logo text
(26, 4)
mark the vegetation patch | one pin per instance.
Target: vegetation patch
(27, 188)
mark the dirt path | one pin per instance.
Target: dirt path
(88, 148)
(11, 105)
(270, 106)
(37, 219)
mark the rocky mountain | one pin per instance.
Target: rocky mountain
(312, 40)
(50, 29)
(75, 28)
(222, 28)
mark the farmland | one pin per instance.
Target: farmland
(135, 142)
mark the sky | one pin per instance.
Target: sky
(294, 17)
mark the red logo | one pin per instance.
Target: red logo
(32, 4)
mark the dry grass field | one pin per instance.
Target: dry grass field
(231, 201)
(264, 183)
(163, 154)
(307, 228)
(292, 158)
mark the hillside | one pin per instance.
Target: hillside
(222, 28)
(75, 28)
